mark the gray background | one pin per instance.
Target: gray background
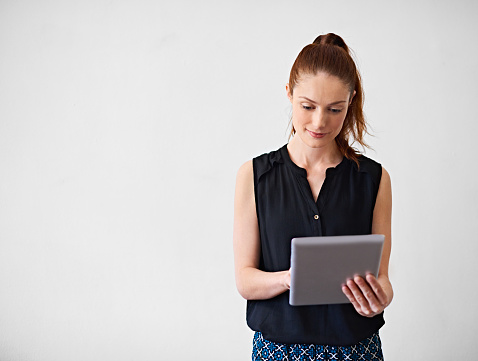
(122, 126)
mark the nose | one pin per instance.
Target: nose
(319, 118)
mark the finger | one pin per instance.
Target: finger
(352, 299)
(377, 289)
(358, 295)
(369, 294)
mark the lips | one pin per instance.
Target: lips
(316, 135)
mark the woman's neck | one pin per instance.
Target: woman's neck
(310, 158)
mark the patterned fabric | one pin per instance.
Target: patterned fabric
(369, 349)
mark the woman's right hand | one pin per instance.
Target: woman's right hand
(286, 279)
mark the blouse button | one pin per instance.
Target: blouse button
(316, 216)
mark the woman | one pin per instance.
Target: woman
(316, 185)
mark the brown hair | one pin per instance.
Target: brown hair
(329, 54)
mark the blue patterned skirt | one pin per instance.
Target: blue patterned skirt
(368, 349)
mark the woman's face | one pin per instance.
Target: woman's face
(319, 106)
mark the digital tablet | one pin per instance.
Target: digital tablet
(320, 265)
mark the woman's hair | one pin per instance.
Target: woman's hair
(329, 54)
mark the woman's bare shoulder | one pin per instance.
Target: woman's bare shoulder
(245, 173)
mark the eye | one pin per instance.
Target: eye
(335, 110)
(307, 107)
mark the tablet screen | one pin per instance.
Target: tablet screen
(320, 265)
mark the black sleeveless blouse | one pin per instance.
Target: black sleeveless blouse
(286, 209)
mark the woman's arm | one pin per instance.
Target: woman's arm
(371, 295)
(252, 283)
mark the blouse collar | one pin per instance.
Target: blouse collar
(301, 171)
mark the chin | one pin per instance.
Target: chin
(315, 143)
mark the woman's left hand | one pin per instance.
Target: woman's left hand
(366, 295)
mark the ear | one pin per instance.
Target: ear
(287, 89)
(352, 97)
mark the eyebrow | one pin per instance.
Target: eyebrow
(334, 103)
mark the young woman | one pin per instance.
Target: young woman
(316, 185)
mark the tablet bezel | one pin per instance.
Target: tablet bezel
(321, 265)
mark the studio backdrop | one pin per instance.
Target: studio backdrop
(122, 127)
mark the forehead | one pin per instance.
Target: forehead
(322, 86)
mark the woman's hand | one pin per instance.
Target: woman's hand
(286, 279)
(368, 296)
